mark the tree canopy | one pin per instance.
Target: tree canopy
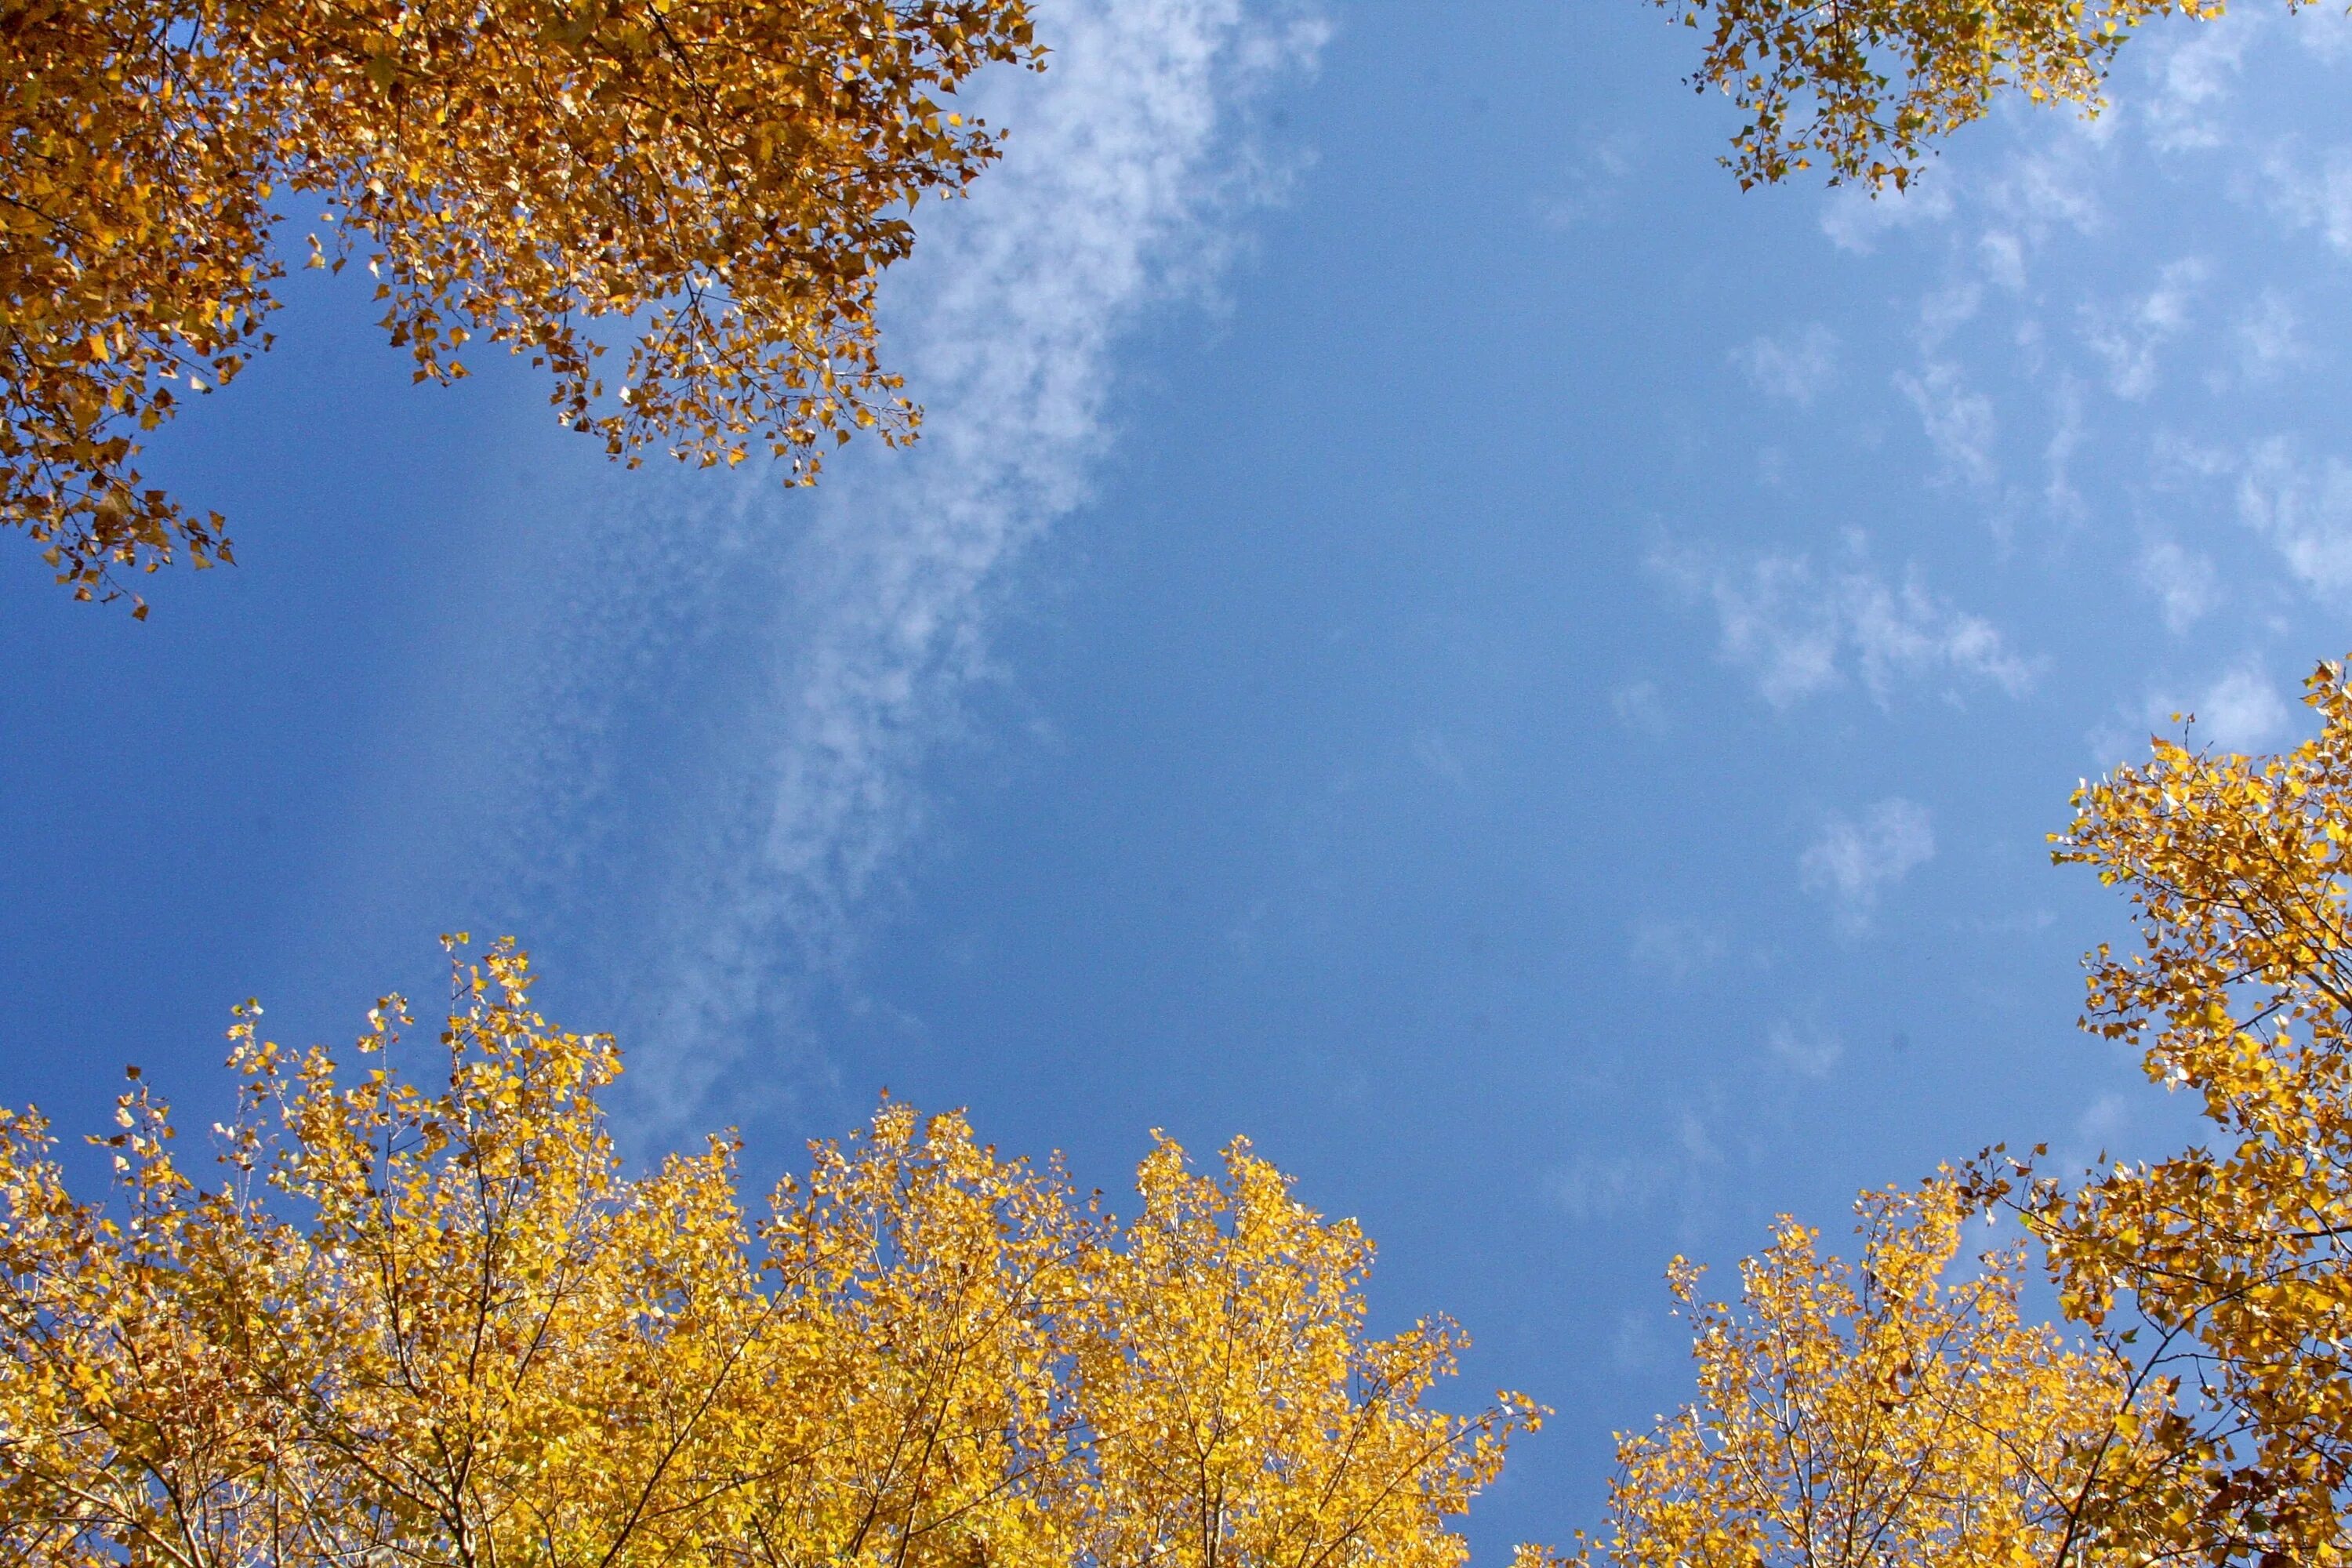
(717, 184)
(2199, 1409)
(439, 1326)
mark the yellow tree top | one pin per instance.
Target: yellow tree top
(1895, 1412)
(441, 1327)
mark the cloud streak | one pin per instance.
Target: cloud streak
(1796, 630)
(1852, 863)
(833, 645)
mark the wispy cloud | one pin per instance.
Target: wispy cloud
(1857, 219)
(1958, 423)
(2182, 581)
(1795, 629)
(2128, 334)
(854, 627)
(1593, 186)
(1611, 1191)
(1796, 368)
(2312, 189)
(1803, 1049)
(2190, 81)
(1638, 706)
(1675, 948)
(2304, 507)
(2270, 337)
(2238, 710)
(1853, 862)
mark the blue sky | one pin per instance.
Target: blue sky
(1427, 628)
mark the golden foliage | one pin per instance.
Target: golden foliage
(1889, 1412)
(2210, 1419)
(1869, 87)
(719, 181)
(2234, 1258)
(445, 1329)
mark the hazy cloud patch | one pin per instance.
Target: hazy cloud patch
(2239, 710)
(2304, 509)
(1794, 629)
(2195, 72)
(1958, 423)
(1638, 705)
(1853, 862)
(1676, 950)
(1806, 1051)
(1795, 369)
(1674, 1174)
(2270, 337)
(1856, 220)
(2181, 581)
(854, 621)
(2312, 190)
(2128, 336)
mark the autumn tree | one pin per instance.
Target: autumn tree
(1868, 89)
(2233, 1257)
(1896, 1412)
(2204, 1413)
(715, 184)
(443, 1326)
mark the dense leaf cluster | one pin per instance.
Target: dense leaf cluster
(719, 182)
(1868, 87)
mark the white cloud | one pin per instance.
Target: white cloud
(1805, 1051)
(2239, 710)
(1958, 423)
(1436, 755)
(2192, 78)
(2313, 190)
(2270, 337)
(1639, 706)
(1796, 370)
(1591, 1191)
(1852, 863)
(1676, 949)
(2242, 710)
(2182, 581)
(2002, 252)
(2304, 509)
(1857, 219)
(856, 621)
(1795, 630)
(2065, 499)
(2323, 31)
(1595, 183)
(2127, 337)
(1944, 310)
(2054, 184)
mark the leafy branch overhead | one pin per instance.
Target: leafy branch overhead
(1868, 89)
(718, 181)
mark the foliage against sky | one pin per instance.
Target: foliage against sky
(1312, 743)
(1883, 1413)
(1893, 1410)
(1870, 88)
(718, 183)
(439, 1326)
